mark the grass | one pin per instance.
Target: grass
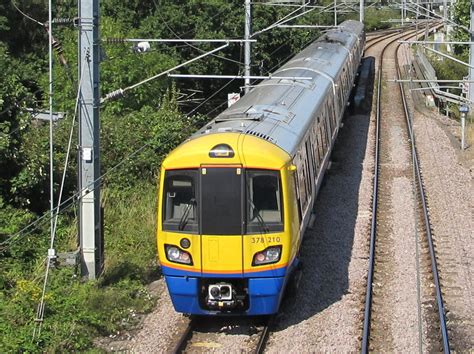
(130, 233)
(77, 310)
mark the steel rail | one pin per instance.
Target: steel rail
(378, 39)
(419, 181)
(264, 336)
(373, 228)
(368, 302)
(185, 336)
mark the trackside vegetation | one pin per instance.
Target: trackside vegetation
(137, 131)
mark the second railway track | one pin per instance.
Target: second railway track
(404, 308)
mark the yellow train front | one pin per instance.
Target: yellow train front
(224, 235)
(236, 197)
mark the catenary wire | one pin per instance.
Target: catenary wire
(26, 15)
(190, 45)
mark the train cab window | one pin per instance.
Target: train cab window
(179, 201)
(264, 202)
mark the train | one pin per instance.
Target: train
(235, 198)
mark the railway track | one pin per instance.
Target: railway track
(395, 173)
(206, 331)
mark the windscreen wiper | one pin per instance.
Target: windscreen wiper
(184, 218)
(256, 212)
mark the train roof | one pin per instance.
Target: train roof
(280, 110)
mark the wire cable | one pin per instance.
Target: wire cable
(189, 44)
(120, 92)
(69, 147)
(40, 310)
(26, 15)
(158, 5)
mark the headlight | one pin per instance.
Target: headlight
(177, 255)
(267, 256)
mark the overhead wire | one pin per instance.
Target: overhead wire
(189, 44)
(26, 15)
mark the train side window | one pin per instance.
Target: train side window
(311, 160)
(316, 145)
(320, 145)
(328, 118)
(180, 201)
(332, 117)
(299, 185)
(298, 201)
(314, 151)
(328, 132)
(309, 167)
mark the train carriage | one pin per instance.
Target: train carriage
(235, 198)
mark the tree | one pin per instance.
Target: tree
(462, 16)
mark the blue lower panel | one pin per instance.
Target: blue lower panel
(264, 295)
(184, 294)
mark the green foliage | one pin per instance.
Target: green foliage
(447, 69)
(130, 232)
(150, 131)
(376, 19)
(78, 311)
(462, 16)
(14, 96)
(75, 312)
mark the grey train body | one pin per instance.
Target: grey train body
(302, 117)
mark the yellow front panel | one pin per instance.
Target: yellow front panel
(172, 238)
(258, 242)
(292, 223)
(250, 151)
(222, 254)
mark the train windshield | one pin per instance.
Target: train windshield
(264, 206)
(180, 201)
(222, 201)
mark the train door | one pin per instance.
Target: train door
(221, 220)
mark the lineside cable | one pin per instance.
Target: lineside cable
(51, 253)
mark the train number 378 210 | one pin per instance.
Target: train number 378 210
(263, 239)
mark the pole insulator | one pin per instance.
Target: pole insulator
(115, 40)
(113, 95)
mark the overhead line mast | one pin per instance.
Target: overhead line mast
(90, 225)
(247, 35)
